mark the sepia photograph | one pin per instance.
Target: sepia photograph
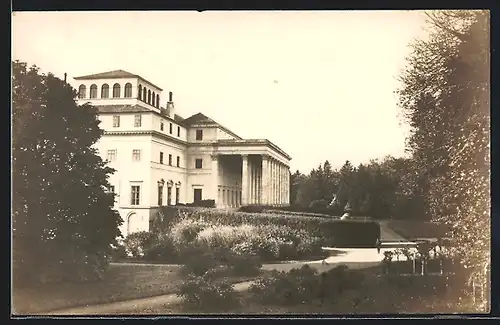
(250, 163)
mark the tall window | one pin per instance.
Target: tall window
(170, 128)
(135, 195)
(139, 93)
(93, 91)
(116, 90)
(82, 92)
(198, 195)
(112, 155)
(169, 196)
(144, 94)
(178, 161)
(116, 121)
(153, 99)
(177, 194)
(105, 91)
(170, 160)
(198, 163)
(137, 120)
(178, 131)
(161, 157)
(199, 135)
(157, 101)
(128, 90)
(161, 126)
(160, 194)
(136, 155)
(149, 96)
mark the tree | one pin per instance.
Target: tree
(63, 218)
(445, 97)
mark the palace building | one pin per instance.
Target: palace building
(161, 158)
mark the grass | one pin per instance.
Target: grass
(122, 282)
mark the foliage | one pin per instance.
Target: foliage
(305, 286)
(445, 98)
(137, 243)
(63, 219)
(205, 294)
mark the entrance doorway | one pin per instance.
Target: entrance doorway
(197, 195)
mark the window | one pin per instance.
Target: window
(136, 155)
(93, 91)
(105, 91)
(170, 160)
(178, 131)
(153, 99)
(169, 196)
(116, 121)
(139, 93)
(82, 90)
(198, 163)
(178, 161)
(177, 194)
(170, 128)
(160, 195)
(198, 195)
(116, 90)
(128, 90)
(157, 101)
(149, 96)
(161, 126)
(135, 194)
(137, 120)
(112, 155)
(161, 157)
(144, 94)
(199, 135)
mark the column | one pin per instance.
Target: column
(265, 181)
(271, 187)
(274, 182)
(254, 182)
(244, 180)
(215, 178)
(259, 184)
(287, 190)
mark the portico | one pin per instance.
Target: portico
(253, 175)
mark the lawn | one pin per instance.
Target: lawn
(122, 282)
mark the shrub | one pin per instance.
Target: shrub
(281, 288)
(162, 250)
(318, 204)
(136, 243)
(186, 230)
(202, 293)
(197, 260)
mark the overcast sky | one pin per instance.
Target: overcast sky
(320, 85)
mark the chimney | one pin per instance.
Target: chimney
(170, 105)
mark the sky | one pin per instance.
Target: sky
(318, 84)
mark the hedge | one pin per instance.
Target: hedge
(338, 233)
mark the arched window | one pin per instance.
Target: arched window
(153, 99)
(157, 101)
(116, 91)
(93, 91)
(144, 94)
(149, 96)
(128, 90)
(105, 91)
(82, 92)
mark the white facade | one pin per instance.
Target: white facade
(163, 159)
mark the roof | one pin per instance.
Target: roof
(135, 109)
(115, 74)
(199, 118)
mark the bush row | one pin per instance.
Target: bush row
(334, 232)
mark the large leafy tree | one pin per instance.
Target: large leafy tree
(63, 218)
(445, 97)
